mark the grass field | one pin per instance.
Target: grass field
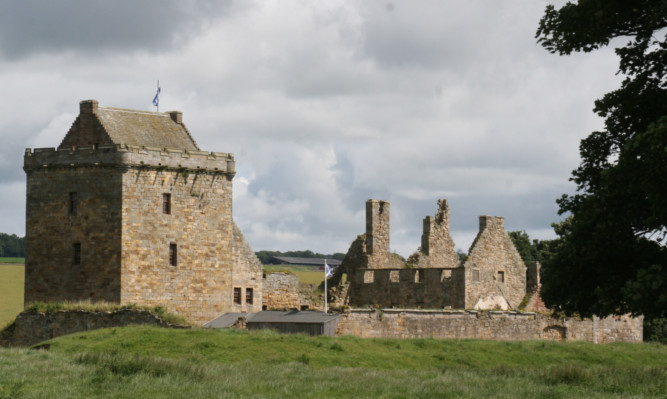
(160, 363)
(11, 292)
(305, 274)
(12, 260)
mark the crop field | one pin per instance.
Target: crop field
(12, 260)
(164, 363)
(305, 274)
(11, 292)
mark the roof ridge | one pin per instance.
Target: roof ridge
(135, 111)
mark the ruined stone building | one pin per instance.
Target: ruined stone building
(128, 209)
(492, 277)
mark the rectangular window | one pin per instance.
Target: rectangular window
(237, 295)
(173, 255)
(501, 277)
(248, 296)
(76, 254)
(166, 204)
(475, 275)
(73, 204)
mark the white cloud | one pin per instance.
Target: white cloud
(328, 104)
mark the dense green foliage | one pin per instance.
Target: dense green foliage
(265, 256)
(154, 362)
(531, 251)
(611, 257)
(12, 246)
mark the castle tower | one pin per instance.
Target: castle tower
(128, 210)
(377, 233)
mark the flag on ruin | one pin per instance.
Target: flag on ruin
(327, 269)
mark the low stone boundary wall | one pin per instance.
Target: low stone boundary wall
(31, 328)
(494, 325)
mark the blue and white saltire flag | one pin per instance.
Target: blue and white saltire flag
(156, 99)
(327, 270)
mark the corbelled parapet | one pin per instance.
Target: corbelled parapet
(121, 155)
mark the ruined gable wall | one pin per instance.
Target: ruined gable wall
(437, 243)
(247, 272)
(493, 252)
(51, 230)
(86, 129)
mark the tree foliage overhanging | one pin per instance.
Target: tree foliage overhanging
(611, 256)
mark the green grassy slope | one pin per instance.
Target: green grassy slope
(153, 362)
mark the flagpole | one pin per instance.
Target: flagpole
(325, 287)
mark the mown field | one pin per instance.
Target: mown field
(160, 363)
(11, 292)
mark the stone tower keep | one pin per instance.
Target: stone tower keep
(128, 210)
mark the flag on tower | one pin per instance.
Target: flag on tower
(156, 99)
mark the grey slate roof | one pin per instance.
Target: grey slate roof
(142, 128)
(272, 316)
(99, 125)
(307, 261)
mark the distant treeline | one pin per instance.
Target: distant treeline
(12, 246)
(266, 257)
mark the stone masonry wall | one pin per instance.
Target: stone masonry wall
(405, 288)
(377, 233)
(495, 275)
(437, 243)
(246, 273)
(281, 291)
(199, 287)
(510, 326)
(51, 232)
(32, 328)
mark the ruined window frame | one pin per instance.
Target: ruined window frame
(248, 296)
(73, 204)
(76, 254)
(419, 276)
(173, 254)
(166, 204)
(501, 276)
(237, 295)
(475, 275)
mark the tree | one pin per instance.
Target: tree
(611, 257)
(531, 251)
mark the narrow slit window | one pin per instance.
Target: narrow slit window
(475, 275)
(501, 277)
(76, 254)
(237, 295)
(166, 204)
(248, 296)
(173, 255)
(73, 204)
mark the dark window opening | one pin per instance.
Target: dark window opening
(248, 296)
(73, 204)
(76, 254)
(264, 307)
(166, 204)
(304, 307)
(237, 295)
(501, 277)
(173, 255)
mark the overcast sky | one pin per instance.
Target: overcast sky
(325, 104)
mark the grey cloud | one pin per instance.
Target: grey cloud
(32, 26)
